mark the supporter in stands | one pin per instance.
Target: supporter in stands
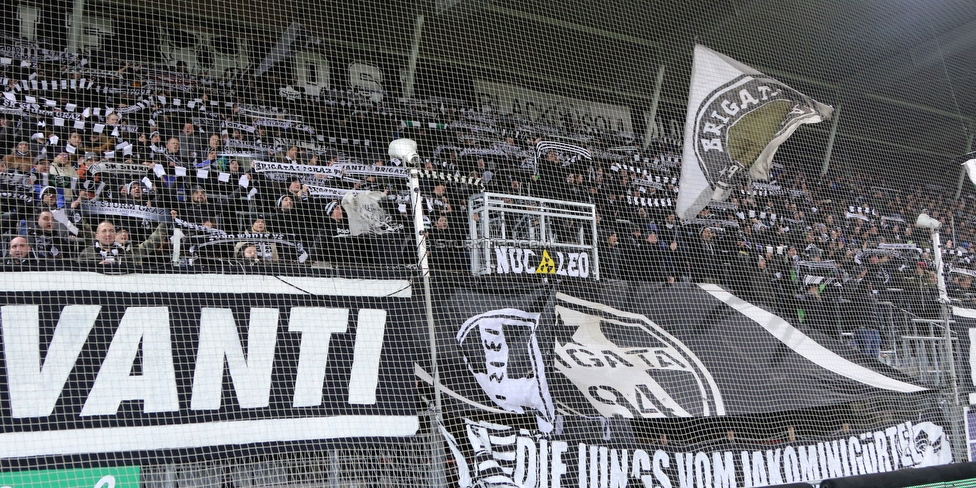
(49, 199)
(293, 219)
(291, 156)
(19, 252)
(40, 172)
(198, 210)
(38, 146)
(214, 144)
(438, 201)
(297, 190)
(86, 192)
(328, 244)
(266, 251)
(7, 128)
(703, 258)
(246, 253)
(192, 143)
(877, 276)
(103, 249)
(446, 247)
(152, 149)
(175, 156)
(656, 258)
(99, 143)
(75, 146)
(50, 238)
(962, 290)
(123, 240)
(62, 172)
(610, 256)
(134, 193)
(20, 158)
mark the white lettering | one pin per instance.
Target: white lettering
(584, 265)
(773, 467)
(34, 387)
(703, 470)
(525, 466)
(661, 462)
(526, 254)
(502, 263)
(365, 375)
(808, 463)
(746, 99)
(711, 144)
(723, 470)
(571, 268)
(881, 446)
(716, 115)
(156, 386)
(830, 460)
(686, 474)
(758, 473)
(713, 128)
(618, 468)
(854, 455)
(251, 376)
(845, 461)
(515, 257)
(729, 107)
(317, 326)
(558, 466)
(640, 464)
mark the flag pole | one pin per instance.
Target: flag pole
(963, 170)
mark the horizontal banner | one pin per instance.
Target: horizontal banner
(187, 364)
(493, 454)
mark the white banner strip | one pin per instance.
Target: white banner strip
(205, 283)
(202, 434)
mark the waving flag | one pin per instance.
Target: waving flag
(737, 119)
(969, 162)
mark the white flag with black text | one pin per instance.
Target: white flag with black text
(737, 118)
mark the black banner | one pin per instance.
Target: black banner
(646, 351)
(180, 365)
(568, 385)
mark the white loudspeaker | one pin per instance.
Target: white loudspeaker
(926, 222)
(405, 150)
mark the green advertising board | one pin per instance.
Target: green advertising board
(121, 477)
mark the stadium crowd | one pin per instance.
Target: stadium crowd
(127, 165)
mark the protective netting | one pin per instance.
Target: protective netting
(484, 243)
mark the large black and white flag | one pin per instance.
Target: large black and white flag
(737, 118)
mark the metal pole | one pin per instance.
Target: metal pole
(830, 140)
(438, 477)
(651, 118)
(74, 35)
(962, 170)
(595, 239)
(418, 30)
(956, 415)
(944, 303)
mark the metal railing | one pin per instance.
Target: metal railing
(506, 230)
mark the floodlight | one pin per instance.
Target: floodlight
(926, 222)
(405, 150)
